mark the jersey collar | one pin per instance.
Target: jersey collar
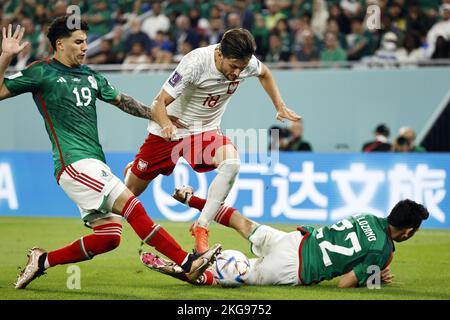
(55, 62)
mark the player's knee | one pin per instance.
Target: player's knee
(136, 190)
(127, 170)
(230, 167)
(134, 184)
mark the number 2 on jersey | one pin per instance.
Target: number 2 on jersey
(85, 94)
(326, 246)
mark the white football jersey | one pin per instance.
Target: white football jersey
(201, 92)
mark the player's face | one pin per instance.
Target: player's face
(232, 68)
(74, 48)
(407, 233)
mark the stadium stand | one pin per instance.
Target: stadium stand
(287, 31)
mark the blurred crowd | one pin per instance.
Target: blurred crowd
(149, 31)
(405, 141)
(291, 138)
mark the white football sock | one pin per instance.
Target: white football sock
(218, 190)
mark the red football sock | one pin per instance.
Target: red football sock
(105, 238)
(223, 215)
(208, 278)
(152, 234)
(197, 203)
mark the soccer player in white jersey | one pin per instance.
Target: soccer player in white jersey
(186, 121)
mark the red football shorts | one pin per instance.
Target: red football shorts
(158, 156)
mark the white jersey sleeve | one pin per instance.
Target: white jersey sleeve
(253, 68)
(186, 73)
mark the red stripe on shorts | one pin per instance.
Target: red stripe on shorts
(92, 180)
(81, 180)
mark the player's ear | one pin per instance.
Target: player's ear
(219, 52)
(59, 44)
(408, 233)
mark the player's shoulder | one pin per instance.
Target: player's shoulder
(203, 51)
(200, 56)
(371, 219)
(88, 70)
(38, 64)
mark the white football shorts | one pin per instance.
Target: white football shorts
(278, 262)
(93, 187)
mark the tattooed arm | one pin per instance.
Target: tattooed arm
(132, 106)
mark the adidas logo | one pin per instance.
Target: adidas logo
(61, 79)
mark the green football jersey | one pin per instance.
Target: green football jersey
(355, 243)
(66, 99)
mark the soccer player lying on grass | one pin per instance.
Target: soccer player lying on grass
(65, 92)
(346, 248)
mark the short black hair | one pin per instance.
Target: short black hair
(407, 214)
(382, 129)
(237, 43)
(402, 141)
(282, 132)
(61, 28)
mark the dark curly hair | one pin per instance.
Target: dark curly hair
(237, 43)
(61, 28)
(407, 214)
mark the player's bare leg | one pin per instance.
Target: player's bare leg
(244, 226)
(228, 164)
(135, 184)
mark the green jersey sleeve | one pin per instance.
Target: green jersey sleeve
(363, 270)
(106, 91)
(27, 80)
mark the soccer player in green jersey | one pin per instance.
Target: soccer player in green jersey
(354, 248)
(65, 92)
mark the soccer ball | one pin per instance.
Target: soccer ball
(231, 268)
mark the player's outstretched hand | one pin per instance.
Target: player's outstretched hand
(386, 275)
(11, 42)
(288, 114)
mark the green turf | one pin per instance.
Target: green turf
(421, 267)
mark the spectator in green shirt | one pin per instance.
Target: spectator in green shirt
(296, 141)
(274, 14)
(261, 35)
(358, 42)
(99, 19)
(332, 51)
(31, 34)
(410, 134)
(333, 26)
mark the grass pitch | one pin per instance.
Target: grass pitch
(421, 266)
